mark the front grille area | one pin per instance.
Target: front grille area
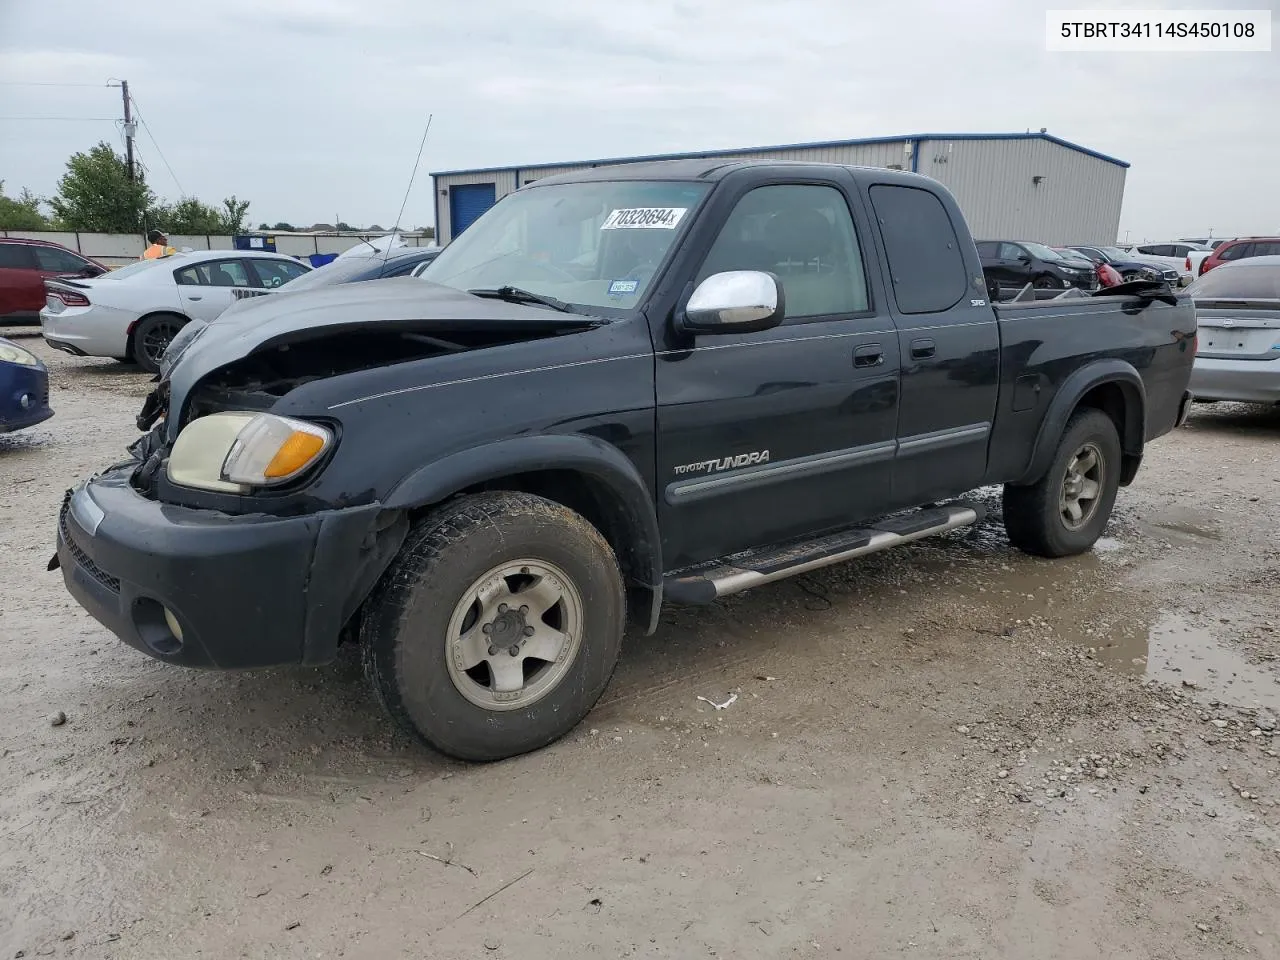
(81, 558)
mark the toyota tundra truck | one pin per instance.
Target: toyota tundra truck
(628, 386)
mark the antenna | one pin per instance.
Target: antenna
(395, 230)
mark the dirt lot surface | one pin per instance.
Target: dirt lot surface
(948, 751)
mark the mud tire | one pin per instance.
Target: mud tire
(405, 626)
(1033, 516)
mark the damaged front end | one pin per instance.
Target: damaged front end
(216, 368)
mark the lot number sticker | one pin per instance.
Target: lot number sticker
(645, 218)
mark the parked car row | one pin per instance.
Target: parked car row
(1010, 265)
(134, 312)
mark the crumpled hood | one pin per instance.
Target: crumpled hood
(406, 302)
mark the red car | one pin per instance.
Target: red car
(1241, 249)
(24, 267)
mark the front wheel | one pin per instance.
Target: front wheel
(1065, 511)
(497, 627)
(1047, 282)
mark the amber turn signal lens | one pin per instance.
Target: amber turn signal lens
(294, 454)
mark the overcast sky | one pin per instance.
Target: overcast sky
(313, 109)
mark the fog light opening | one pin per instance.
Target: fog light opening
(157, 626)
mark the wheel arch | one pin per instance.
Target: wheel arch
(134, 325)
(585, 474)
(1113, 386)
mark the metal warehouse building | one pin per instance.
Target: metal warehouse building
(1024, 186)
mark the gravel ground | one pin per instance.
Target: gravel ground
(951, 750)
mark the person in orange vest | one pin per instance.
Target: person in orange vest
(159, 246)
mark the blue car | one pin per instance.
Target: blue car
(24, 388)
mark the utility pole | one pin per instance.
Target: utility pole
(129, 129)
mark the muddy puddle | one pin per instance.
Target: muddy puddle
(1124, 632)
(1175, 650)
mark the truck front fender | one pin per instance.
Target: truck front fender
(620, 500)
(1097, 384)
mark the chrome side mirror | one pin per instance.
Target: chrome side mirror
(737, 301)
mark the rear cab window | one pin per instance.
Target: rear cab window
(926, 259)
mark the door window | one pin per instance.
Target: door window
(1235, 252)
(989, 249)
(276, 273)
(58, 261)
(15, 256)
(804, 234)
(920, 241)
(215, 273)
(1010, 251)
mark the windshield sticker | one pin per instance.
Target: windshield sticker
(645, 218)
(620, 287)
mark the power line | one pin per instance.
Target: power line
(71, 119)
(159, 152)
(41, 83)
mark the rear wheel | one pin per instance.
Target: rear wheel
(1065, 511)
(497, 627)
(151, 338)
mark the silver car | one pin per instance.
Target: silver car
(132, 313)
(1238, 305)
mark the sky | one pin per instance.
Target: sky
(314, 109)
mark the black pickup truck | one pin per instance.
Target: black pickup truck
(628, 385)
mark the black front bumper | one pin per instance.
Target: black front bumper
(245, 591)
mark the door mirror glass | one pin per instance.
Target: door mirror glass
(1024, 258)
(736, 301)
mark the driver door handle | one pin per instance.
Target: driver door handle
(192, 296)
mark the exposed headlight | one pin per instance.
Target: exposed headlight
(15, 354)
(234, 452)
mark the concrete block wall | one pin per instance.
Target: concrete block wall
(117, 249)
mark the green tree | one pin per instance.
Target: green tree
(264, 226)
(284, 227)
(96, 194)
(234, 213)
(187, 217)
(343, 225)
(22, 213)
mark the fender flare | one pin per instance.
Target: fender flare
(603, 464)
(1064, 403)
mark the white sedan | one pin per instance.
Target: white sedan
(132, 313)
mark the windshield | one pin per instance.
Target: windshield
(1042, 252)
(1114, 253)
(1242, 281)
(593, 245)
(336, 271)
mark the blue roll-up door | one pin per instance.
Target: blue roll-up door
(467, 202)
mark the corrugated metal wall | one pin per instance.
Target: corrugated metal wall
(1078, 200)
(504, 182)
